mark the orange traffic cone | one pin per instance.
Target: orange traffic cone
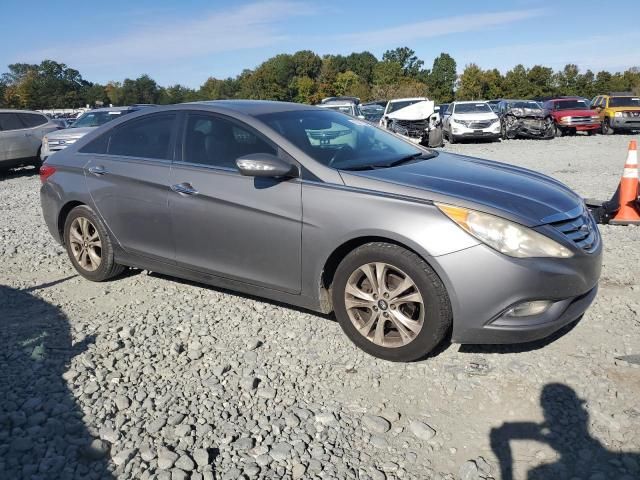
(629, 211)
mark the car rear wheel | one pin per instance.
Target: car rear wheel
(390, 302)
(89, 246)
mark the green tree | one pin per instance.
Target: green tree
(516, 83)
(362, 64)
(541, 81)
(471, 83)
(345, 82)
(442, 79)
(411, 65)
(306, 64)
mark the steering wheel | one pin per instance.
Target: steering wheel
(340, 153)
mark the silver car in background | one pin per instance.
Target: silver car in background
(21, 133)
(311, 207)
(84, 124)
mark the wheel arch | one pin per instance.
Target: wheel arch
(339, 253)
(64, 213)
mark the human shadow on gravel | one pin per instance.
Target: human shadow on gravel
(42, 435)
(566, 430)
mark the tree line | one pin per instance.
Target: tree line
(307, 77)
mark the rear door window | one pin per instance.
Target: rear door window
(10, 121)
(145, 137)
(32, 119)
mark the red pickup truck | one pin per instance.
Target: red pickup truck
(573, 114)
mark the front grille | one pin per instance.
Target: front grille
(581, 120)
(581, 230)
(410, 128)
(483, 124)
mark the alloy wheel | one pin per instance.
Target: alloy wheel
(86, 244)
(384, 304)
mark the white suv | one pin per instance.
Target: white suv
(21, 133)
(470, 120)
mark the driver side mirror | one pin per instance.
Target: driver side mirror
(265, 165)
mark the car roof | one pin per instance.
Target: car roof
(408, 99)
(470, 101)
(110, 109)
(12, 110)
(255, 107)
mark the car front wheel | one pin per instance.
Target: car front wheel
(89, 246)
(390, 302)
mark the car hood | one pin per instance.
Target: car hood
(575, 113)
(415, 111)
(70, 133)
(475, 116)
(526, 112)
(624, 109)
(521, 195)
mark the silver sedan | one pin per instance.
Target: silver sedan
(318, 209)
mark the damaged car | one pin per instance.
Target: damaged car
(524, 119)
(414, 119)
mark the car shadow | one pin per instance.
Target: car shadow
(42, 434)
(246, 296)
(19, 172)
(566, 430)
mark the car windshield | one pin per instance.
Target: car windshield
(624, 102)
(395, 106)
(340, 142)
(472, 108)
(95, 119)
(572, 105)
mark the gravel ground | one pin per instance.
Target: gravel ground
(150, 377)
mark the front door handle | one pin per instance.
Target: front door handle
(97, 170)
(184, 188)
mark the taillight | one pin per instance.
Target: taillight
(46, 171)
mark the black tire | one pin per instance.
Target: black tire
(37, 161)
(437, 316)
(107, 268)
(559, 132)
(451, 138)
(592, 133)
(606, 127)
(503, 130)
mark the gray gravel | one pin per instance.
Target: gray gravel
(149, 377)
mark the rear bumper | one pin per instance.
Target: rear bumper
(480, 302)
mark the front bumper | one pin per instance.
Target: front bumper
(625, 123)
(52, 146)
(462, 131)
(532, 128)
(480, 303)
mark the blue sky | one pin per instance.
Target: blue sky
(187, 41)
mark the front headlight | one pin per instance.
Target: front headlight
(565, 119)
(495, 120)
(617, 114)
(466, 123)
(595, 117)
(504, 236)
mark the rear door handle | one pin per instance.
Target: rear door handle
(184, 188)
(98, 170)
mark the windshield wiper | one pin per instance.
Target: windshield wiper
(408, 158)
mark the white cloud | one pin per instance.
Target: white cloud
(249, 26)
(437, 27)
(593, 52)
